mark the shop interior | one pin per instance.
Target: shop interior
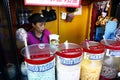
(88, 29)
(87, 21)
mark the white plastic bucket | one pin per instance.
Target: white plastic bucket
(68, 62)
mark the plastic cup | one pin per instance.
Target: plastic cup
(41, 65)
(111, 61)
(54, 39)
(68, 61)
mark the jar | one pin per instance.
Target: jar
(92, 62)
(111, 61)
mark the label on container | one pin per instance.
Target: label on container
(41, 72)
(114, 53)
(68, 68)
(71, 74)
(70, 61)
(96, 57)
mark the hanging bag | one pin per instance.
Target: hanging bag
(50, 14)
(70, 17)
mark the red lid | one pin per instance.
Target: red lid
(39, 59)
(39, 53)
(111, 44)
(94, 47)
(70, 53)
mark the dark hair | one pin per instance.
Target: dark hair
(37, 17)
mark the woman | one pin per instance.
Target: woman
(38, 34)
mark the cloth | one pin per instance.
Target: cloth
(110, 28)
(32, 39)
(99, 33)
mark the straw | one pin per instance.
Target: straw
(26, 46)
(66, 44)
(26, 49)
(105, 40)
(88, 47)
(22, 35)
(87, 44)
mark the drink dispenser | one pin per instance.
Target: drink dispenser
(92, 62)
(111, 60)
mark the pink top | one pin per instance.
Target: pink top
(32, 39)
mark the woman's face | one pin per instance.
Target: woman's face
(39, 27)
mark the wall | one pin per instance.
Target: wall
(76, 31)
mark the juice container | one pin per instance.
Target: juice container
(92, 62)
(112, 59)
(68, 63)
(41, 64)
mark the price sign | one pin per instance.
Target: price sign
(65, 3)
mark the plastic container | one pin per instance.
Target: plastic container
(92, 62)
(111, 61)
(41, 65)
(69, 58)
(54, 39)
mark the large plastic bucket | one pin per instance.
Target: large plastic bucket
(111, 61)
(92, 62)
(68, 61)
(41, 64)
